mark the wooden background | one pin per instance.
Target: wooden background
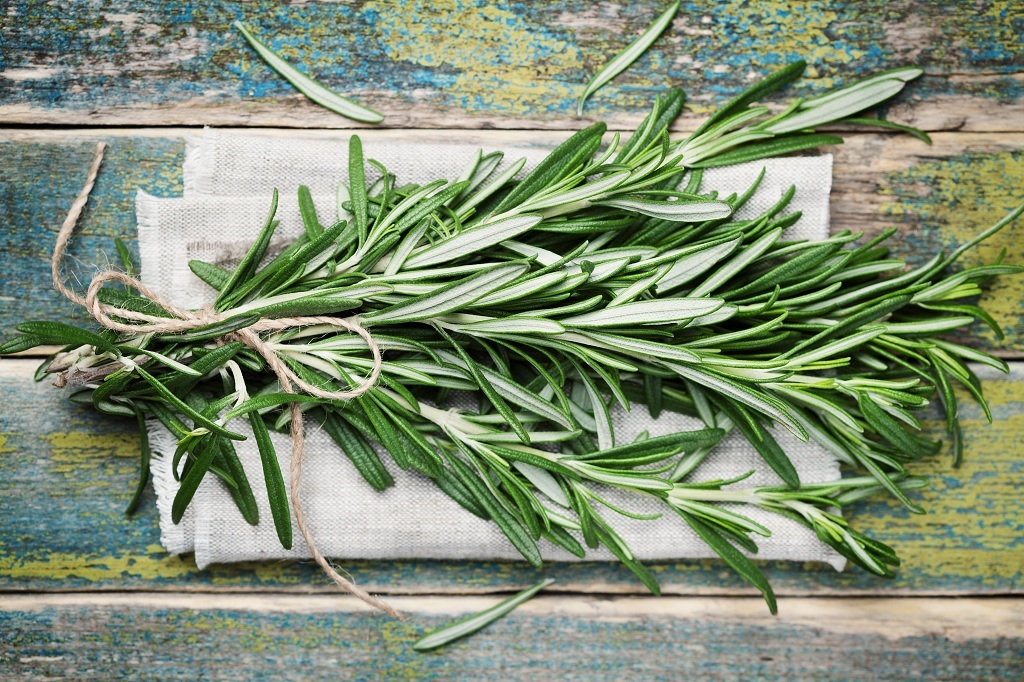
(89, 594)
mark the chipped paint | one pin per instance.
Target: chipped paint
(155, 565)
(477, 61)
(948, 202)
(482, 54)
(73, 453)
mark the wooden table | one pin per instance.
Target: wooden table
(88, 593)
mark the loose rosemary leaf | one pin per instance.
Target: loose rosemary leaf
(307, 86)
(467, 626)
(621, 61)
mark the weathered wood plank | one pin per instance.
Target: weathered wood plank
(66, 474)
(941, 195)
(551, 637)
(486, 64)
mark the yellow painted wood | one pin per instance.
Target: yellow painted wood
(486, 63)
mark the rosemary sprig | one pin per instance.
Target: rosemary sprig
(603, 276)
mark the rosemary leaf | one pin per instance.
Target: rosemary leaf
(467, 626)
(621, 61)
(307, 86)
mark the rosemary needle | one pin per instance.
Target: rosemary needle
(622, 60)
(467, 626)
(323, 96)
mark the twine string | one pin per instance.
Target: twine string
(183, 320)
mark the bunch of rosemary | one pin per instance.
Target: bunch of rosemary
(602, 276)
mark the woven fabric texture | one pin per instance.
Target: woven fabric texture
(228, 181)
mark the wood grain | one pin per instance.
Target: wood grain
(479, 64)
(549, 638)
(89, 594)
(939, 195)
(66, 475)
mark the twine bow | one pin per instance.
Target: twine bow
(185, 320)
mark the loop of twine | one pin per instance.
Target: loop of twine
(185, 320)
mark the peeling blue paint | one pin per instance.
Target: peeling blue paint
(167, 53)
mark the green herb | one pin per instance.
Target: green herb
(603, 276)
(323, 96)
(467, 626)
(621, 61)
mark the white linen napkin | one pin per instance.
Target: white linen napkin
(228, 181)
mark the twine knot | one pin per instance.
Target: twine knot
(184, 320)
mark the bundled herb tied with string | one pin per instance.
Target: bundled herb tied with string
(603, 276)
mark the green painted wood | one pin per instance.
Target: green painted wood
(66, 475)
(38, 182)
(474, 63)
(940, 195)
(549, 638)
